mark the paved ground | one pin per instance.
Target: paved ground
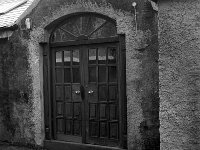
(7, 147)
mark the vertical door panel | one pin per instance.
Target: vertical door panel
(67, 97)
(92, 93)
(102, 95)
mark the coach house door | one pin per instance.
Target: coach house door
(87, 81)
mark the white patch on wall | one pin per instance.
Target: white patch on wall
(154, 5)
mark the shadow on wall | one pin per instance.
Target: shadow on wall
(14, 91)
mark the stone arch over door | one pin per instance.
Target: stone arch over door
(85, 43)
(125, 25)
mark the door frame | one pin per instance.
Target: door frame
(47, 69)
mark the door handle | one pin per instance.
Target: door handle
(77, 92)
(90, 92)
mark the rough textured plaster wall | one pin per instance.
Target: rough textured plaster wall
(2, 129)
(179, 69)
(137, 62)
(19, 84)
(4, 135)
(125, 25)
(35, 72)
(15, 91)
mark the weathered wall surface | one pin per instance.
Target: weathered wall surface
(3, 44)
(15, 91)
(141, 64)
(179, 69)
(142, 71)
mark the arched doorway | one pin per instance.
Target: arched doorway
(87, 82)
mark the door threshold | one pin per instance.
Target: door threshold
(62, 145)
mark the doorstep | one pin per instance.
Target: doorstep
(61, 145)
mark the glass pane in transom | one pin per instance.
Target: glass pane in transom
(107, 30)
(67, 58)
(112, 53)
(102, 55)
(92, 56)
(76, 59)
(59, 58)
(89, 25)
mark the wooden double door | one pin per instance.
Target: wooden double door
(87, 97)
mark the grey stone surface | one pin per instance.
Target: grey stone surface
(179, 74)
(141, 67)
(8, 147)
(13, 148)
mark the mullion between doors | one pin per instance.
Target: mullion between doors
(54, 95)
(83, 73)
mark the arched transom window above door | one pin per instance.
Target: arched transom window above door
(83, 27)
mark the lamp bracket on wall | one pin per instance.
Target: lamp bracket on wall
(135, 12)
(26, 25)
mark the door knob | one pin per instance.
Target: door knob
(77, 92)
(90, 92)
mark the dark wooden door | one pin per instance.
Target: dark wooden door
(102, 95)
(67, 101)
(86, 102)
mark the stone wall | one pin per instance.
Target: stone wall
(15, 92)
(179, 74)
(141, 64)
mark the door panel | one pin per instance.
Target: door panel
(86, 94)
(101, 78)
(92, 93)
(92, 74)
(68, 102)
